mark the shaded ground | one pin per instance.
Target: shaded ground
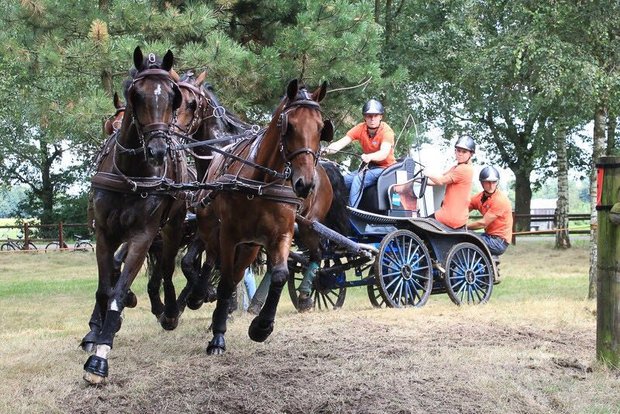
(437, 359)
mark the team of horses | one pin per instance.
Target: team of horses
(143, 187)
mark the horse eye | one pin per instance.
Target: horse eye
(192, 105)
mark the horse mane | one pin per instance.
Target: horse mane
(337, 217)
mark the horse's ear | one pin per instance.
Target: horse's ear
(138, 58)
(292, 89)
(117, 101)
(168, 60)
(201, 78)
(320, 93)
(174, 75)
(327, 133)
(178, 97)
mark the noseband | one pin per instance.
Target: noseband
(288, 156)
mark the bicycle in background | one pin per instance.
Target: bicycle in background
(17, 244)
(82, 244)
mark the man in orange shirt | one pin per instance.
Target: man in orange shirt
(458, 180)
(377, 141)
(496, 212)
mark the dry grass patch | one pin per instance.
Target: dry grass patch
(530, 350)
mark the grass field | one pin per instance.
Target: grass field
(531, 349)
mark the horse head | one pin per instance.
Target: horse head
(152, 98)
(301, 130)
(194, 104)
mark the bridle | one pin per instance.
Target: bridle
(148, 132)
(202, 103)
(307, 102)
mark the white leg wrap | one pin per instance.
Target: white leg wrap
(103, 351)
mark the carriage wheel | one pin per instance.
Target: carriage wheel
(375, 296)
(374, 293)
(469, 274)
(324, 295)
(403, 269)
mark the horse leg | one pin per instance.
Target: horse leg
(155, 277)
(195, 291)
(261, 294)
(112, 300)
(172, 242)
(131, 301)
(262, 325)
(231, 273)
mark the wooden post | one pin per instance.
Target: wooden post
(26, 236)
(608, 261)
(514, 228)
(61, 242)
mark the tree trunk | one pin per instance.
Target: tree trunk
(562, 240)
(106, 81)
(46, 193)
(598, 146)
(611, 133)
(523, 198)
(377, 11)
(388, 22)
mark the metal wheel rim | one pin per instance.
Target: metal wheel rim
(469, 277)
(403, 270)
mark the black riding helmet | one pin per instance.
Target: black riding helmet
(466, 143)
(489, 173)
(373, 106)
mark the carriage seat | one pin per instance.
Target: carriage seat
(378, 198)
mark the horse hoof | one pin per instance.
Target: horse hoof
(169, 324)
(96, 370)
(93, 379)
(194, 304)
(131, 301)
(305, 303)
(259, 330)
(217, 345)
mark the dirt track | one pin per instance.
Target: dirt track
(437, 359)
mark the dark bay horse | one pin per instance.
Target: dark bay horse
(257, 203)
(128, 206)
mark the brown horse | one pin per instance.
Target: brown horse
(128, 206)
(113, 123)
(259, 195)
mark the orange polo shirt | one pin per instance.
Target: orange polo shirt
(454, 210)
(498, 205)
(369, 145)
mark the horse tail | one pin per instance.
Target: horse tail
(337, 217)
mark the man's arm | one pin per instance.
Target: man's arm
(438, 179)
(483, 222)
(334, 147)
(380, 155)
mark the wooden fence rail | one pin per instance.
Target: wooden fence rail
(33, 232)
(44, 233)
(537, 218)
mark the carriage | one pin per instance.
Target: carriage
(400, 256)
